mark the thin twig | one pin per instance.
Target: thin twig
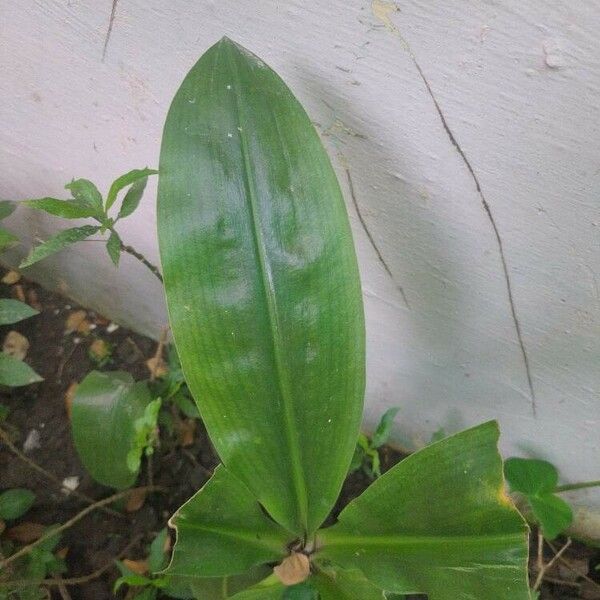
(569, 566)
(88, 509)
(540, 552)
(74, 580)
(540, 576)
(62, 590)
(576, 486)
(142, 259)
(159, 351)
(33, 465)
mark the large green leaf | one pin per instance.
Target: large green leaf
(103, 414)
(262, 284)
(222, 530)
(13, 311)
(438, 523)
(15, 372)
(57, 242)
(339, 584)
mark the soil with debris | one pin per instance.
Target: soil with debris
(60, 338)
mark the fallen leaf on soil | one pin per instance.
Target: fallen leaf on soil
(186, 428)
(19, 293)
(11, 277)
(136, 500)
(26, 532)
(157, 366)
(137, 566)
(62, 553)
(293, 569)
(32, 300)
(32, 441)
(75, 320)
(69, 395)
(99, 350)
(70, 484)
(15, 345)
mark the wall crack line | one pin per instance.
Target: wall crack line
(371, 240)
(111, 21)
(382, 11)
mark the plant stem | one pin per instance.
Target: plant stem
(577, 486)
(72, 521)
(142, 259)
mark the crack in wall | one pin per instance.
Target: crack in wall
(111, 21)
(382, 10)
(371, 240)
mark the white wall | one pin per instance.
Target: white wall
(517, 87)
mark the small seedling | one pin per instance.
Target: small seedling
(87, 203)
(537, 481)
(146, 435)
(366, 455)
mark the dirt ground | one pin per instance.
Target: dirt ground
(38, 414)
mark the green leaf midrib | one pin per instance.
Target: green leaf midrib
(271, 301)
(403, 541)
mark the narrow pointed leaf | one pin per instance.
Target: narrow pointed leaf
(129, 178)
(438, 523)
(262, 284)
(7, 239)
(67, 209)
(6, 208)
(222, 531)
(13, 311)
(113, 247)
(103, 414)
(15, 372)
(85, 192)
(58, 242)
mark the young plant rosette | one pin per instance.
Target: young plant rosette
(266, 311)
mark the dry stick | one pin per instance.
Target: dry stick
(576, 486)
(62, 590)
(541, 574)
(569, 566)
(88, 509)
(540, 552)
(159, 352)
(33, 465)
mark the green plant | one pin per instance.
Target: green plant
(146, 435)
(87, 203)
(13, 371)
(265, 308)
(7, 239)
(15, 502)
(366, 454)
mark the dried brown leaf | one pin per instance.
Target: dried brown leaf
(32, 299)
(293, 569)
(26, 532)
(137, 566)
(157, 366)
(99, 350)
(186, 429)
(19, 293)
(74, 320)
(11, 277)
(136, 500)
(16, 345)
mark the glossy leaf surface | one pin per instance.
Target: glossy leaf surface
(85, 192)
(222, 531)
(15, 372)
(438, 523)
(13, 311)
(58, 242)
(262, 284)
(103, 414)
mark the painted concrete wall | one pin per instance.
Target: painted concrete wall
(470, 131)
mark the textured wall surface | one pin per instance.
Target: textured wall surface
(466, 135)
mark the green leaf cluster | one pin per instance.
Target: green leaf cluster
(87, 202)
(266, 311)
(537, 481)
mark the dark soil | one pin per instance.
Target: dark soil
(100, 537)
